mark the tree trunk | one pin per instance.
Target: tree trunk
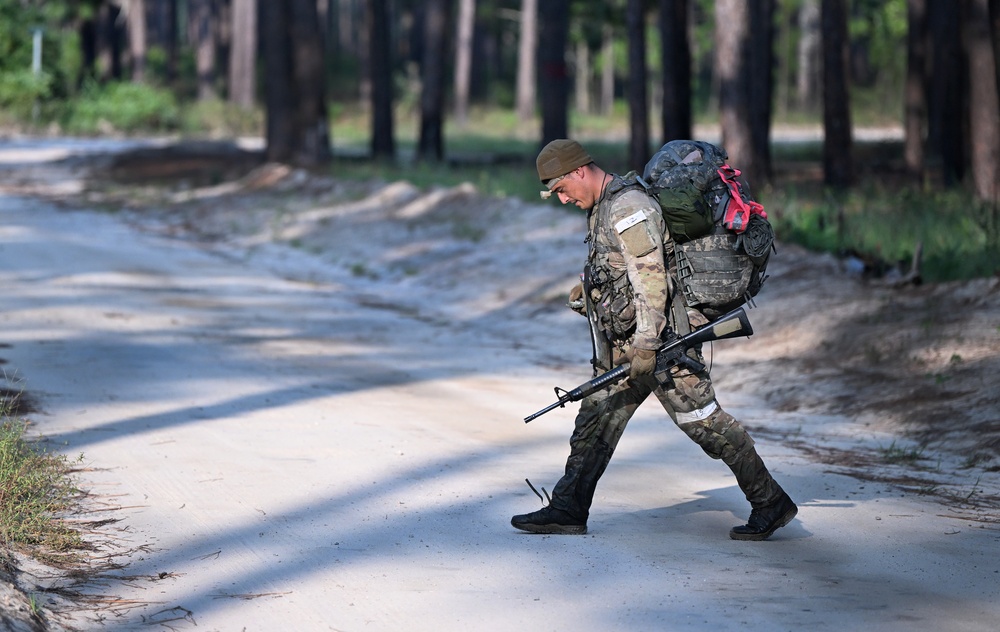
(312, 125)
(138, 42)
(383, 140)
(243, 54)
(463, 60)
(994, 9)
(676, 51)
(526, 59)
(279, 86)
(582, 71)
(430, 145)
(554, 18)
(807, 86)
(915, 90)
(837, 166)
(297, 127)
(946, 138)
(607, 69)
(201, 26)
(732, 20)
(984, 105)
(761, 87)
(635, 26)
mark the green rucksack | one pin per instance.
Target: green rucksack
(722, 237)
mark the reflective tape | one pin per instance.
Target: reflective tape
(697, 415)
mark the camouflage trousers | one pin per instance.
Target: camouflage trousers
(689, 399)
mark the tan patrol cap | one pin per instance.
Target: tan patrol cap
(557, 159)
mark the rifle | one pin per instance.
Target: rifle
(672, 353)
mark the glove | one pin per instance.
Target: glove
(576, 302)
(643, 362)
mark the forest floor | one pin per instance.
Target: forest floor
(907, 374)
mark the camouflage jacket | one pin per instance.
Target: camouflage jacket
(631, 285)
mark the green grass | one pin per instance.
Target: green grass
(35, 493)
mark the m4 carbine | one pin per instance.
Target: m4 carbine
(673, 352)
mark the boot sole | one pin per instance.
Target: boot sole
(552, 529)
(763, 535)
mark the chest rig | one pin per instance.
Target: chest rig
(606, 274)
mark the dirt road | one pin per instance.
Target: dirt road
(303, 442)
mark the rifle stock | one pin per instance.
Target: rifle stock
(673, 352)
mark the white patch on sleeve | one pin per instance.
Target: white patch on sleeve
(630, 221)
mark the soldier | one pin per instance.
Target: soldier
(629, 295)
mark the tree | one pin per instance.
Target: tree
(383, 140)
(676, 52)
(137, 39)
(807, 84)
(837, 166)
(760, 70)
(915, 90)
(732, 23)
(984, 105)
(554, 17)
(463, 59)
(635, 26)
(297, 127)
(946, 140)
(526, 53)
(430, 144)
(243, 54)
(201, 25)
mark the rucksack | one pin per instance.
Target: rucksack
(722, 237)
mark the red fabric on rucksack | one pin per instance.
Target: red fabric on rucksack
(740, 207)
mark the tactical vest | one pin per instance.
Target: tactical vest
(609, 287)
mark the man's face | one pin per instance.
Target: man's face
(573, 189)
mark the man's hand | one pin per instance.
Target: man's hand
(642, 362)
(576, 302)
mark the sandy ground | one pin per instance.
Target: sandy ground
(302, 400)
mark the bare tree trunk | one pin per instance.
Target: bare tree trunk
(137, 38)
(761, 87)
(946, 138)
(161, 24)
(607, 70)
(581, 82)
(383, 139)
(807, 85)
(279, 86)
(994, 9)
(526, 59)
(554, 17)
(915, 90)
(201, 25)
(463, 59)
(312, 125)
(243, 55)
(430, 145)
(732, 19)
(297, 127)
(837, 166)
(635, 26)
(984, 105)
(676, 51)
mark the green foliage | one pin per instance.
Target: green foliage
(886, 224)
(34, 491)
(123, 107)
(21, 91)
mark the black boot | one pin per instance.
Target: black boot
(766, 520)
(550, 520)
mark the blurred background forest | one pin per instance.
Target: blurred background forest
(866, 127)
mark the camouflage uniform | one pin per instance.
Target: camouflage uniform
(631, 303)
